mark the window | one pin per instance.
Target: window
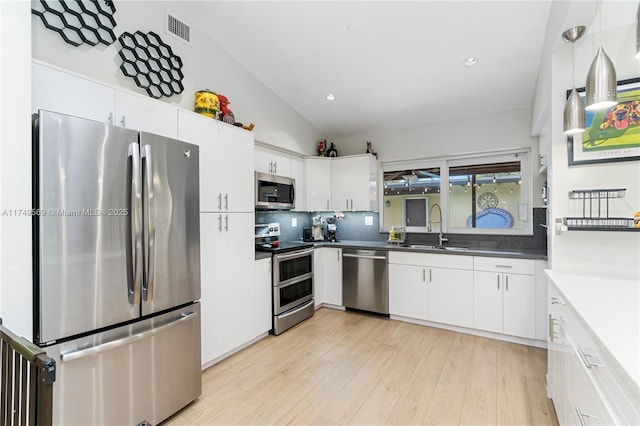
(485, 194)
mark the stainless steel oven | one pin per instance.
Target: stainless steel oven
(293, 299)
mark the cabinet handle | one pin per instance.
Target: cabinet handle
(552, 327)
(424, 275)
(430, 275)
(327, 204)
(226, 222)
(219, 200)
(506, 282)
(220, 222)
(556, 301)
(123, 122)
(352, 204)
(270, 166)
(583, 356)
(275, 167)
(226, 201)
(110, 118)
(498, 277)
(338, 253)
(582, 415)
(504, 266)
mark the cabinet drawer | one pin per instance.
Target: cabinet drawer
(429, 259)
(504, 264)
(603, 371)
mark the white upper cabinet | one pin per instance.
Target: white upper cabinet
(343, 183)
(317, 183)
(273, 162)
(149, 115)
(354, 183)
(226, 158)
(66, 93)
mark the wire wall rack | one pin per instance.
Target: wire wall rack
(595, 211)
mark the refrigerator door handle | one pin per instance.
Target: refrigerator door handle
(135, 210)
(149, 225)
(94, 350)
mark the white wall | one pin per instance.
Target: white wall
(15, 170)
(206, 66)
(610, 253)
(506, 130)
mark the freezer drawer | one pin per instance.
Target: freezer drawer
(365, 283)
(142, 372)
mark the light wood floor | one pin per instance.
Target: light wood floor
(350, 368)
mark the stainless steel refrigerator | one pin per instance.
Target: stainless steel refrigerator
(116, 270)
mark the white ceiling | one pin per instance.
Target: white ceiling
(390, 64)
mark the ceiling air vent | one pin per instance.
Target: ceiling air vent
(177, 28)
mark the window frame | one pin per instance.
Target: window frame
(526, 201)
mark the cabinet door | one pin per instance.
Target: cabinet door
(149, 115)
(487, 301)
(318, 276)
(297, 172)
(263, 290)
(58, 91)
(226, 176)
(518, 305)
(270, 161)
(451, 296)
(317, 183)
(408, 291)
(210, 302)
(333, 276)
(353, 183)
(235, 282)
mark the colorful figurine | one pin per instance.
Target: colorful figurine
(227, 115)
(207, 103)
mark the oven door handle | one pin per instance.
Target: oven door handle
(296, 310)
(293, 255)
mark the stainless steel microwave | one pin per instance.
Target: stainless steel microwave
(275, 192)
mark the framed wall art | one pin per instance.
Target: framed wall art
(610, 135)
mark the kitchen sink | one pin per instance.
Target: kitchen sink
(428, 247)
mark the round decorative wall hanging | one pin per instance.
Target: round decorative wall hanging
(487, 200)
(151, 63)
(78, 22)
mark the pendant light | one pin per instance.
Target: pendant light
(574, 108)
(601, 88)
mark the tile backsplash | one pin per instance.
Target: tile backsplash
(352, 227)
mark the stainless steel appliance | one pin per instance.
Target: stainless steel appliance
(292, 278)
(274, 192)
(365, 284)
(116, 270)
(317, 233)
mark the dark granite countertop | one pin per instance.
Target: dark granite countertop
(470, 251)
(262, 255)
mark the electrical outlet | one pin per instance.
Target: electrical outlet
(294, 222)
(368, 220)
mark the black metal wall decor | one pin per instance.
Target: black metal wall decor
(78, 22)
(151, 63)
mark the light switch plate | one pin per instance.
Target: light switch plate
(368, 220)
(294, 222)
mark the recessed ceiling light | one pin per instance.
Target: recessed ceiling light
(331, 97)
(470, 62)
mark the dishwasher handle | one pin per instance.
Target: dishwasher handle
(361, 256)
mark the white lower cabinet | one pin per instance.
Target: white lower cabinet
(504, 302)
(419, 288)
(318, 276)
(332, 275)
(263, 292)
(228, 286)
(408, 291)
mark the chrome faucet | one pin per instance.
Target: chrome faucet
(441, 238)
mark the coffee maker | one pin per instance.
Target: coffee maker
(316, 228)
(331, 229)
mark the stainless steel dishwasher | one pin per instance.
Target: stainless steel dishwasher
(365, 283)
